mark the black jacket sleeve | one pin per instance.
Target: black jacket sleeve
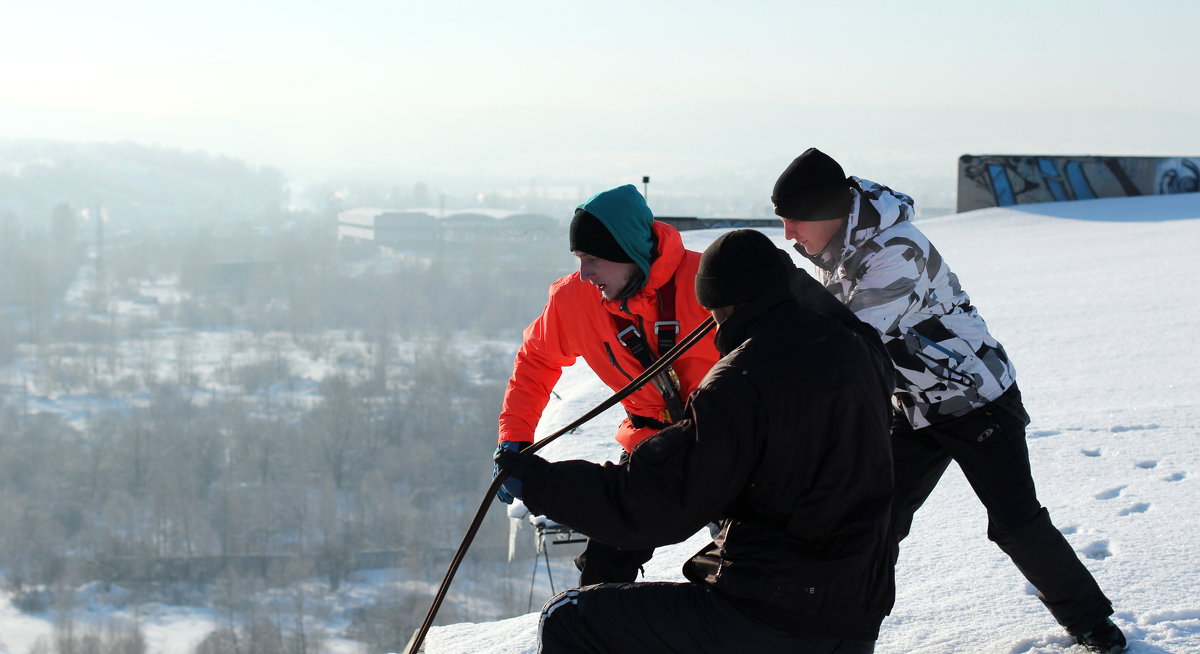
(672, 484)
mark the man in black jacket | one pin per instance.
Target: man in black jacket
(785, 444)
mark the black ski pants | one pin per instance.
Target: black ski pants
(989, 446)
(663, 617)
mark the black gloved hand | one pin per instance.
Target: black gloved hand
(511, 487)
(519, 466)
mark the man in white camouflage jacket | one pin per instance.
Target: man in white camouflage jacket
(956, 394)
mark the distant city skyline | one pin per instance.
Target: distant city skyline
(704, 97)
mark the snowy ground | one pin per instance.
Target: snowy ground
(1098, 303)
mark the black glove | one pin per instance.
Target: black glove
(518, 466)
(511, 487)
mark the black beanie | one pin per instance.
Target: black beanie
(813, 187)
(738, 267)
(590, 235)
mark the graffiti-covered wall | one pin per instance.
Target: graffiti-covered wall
(1004, 180)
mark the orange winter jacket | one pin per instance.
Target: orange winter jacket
(578, 322)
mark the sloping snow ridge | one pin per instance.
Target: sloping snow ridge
(1098, 303)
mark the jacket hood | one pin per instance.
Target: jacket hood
(668, 254)
(877, 207)
(624, 212)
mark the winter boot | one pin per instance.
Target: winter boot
(1105, 638)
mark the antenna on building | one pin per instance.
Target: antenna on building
(646, 186)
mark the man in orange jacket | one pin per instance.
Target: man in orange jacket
(633, 297)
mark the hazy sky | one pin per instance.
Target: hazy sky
(588, 93)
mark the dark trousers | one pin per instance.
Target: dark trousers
(989, 446)
(667, 617)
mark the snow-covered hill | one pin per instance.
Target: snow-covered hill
(1098, 302)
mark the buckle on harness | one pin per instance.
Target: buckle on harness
(673, 324)
(621, 334)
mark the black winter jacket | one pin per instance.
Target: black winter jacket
(786, 445)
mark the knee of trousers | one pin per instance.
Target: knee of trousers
(557, 612)
(1004, 532)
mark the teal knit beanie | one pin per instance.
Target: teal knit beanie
(625, 213)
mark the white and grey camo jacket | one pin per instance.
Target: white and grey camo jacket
(889, 274)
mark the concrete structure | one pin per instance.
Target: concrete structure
(685, 223)
(420, 231)
(1004, 180)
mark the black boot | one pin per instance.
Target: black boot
(1105, 638)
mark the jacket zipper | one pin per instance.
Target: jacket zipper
(612, 358)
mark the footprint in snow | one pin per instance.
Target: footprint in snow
(1097, 551)
(1068, 530)
(1110, 493)
(1146, 465)
(1140, 507)
(1120, 428)
(1169, 616)
(1090, 452)
(1176, 476)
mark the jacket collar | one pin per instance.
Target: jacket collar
(749, 317)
